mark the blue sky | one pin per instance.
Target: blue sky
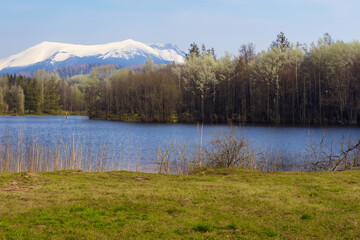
(222, 24)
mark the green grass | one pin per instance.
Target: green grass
(210, 204)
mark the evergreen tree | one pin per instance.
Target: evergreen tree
(281, 42)
(193, 51)
(32, 97)
(3, 104)
(16, 99)
(52, 96)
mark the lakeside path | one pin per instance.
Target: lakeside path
(209, 204)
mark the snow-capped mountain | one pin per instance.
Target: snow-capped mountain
(53, 55)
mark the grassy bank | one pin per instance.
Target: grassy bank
(209, 204)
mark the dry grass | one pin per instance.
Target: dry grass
(30, 155)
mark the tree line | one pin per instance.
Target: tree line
(289, 83)
(44, 93)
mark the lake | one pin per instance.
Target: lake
(136, 142)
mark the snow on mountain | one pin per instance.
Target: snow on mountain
(53, 55)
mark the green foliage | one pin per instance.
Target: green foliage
(200, 80)
(102, 72)
(77, 79)
(43, 94)
(32, 97)
(15, 99)
(51, 102)
(149, 65)
(77, 102)
(3, 104)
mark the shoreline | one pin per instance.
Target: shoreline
(280, 125)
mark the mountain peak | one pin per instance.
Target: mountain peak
(129, 40)
(53, 55)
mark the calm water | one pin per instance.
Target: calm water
(139, 140)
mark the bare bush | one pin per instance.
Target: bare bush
(164, 159)
(229, 150)
(333, 156)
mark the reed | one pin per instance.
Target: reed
(178, 158)
(34, 156)
(221, 150)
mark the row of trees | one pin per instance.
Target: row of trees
(288, 83)
(44, 93)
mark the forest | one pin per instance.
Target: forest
(289, 83)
